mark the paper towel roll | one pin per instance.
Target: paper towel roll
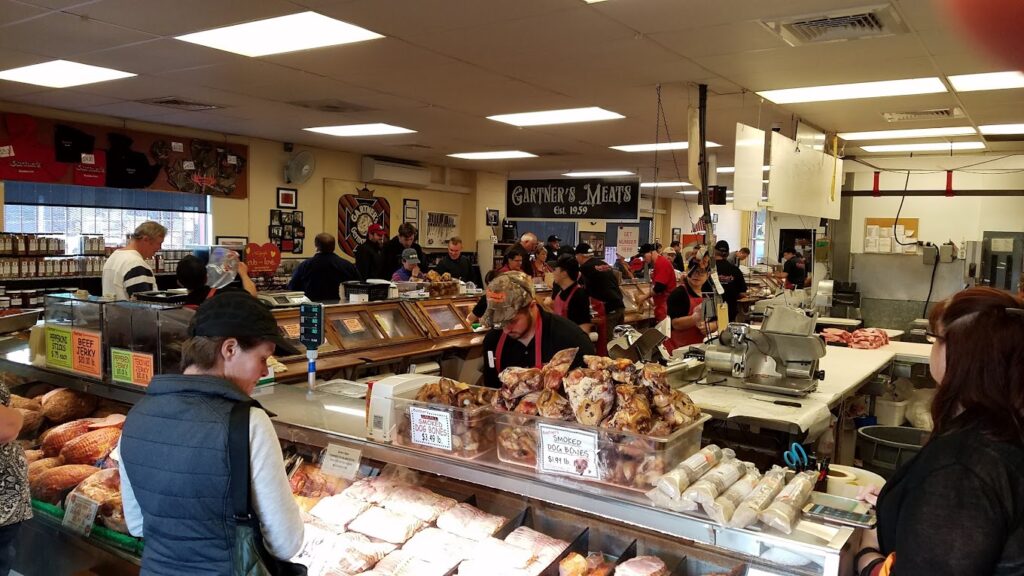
(846, 481)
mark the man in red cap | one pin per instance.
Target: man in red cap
(663, 281)
(370, 254)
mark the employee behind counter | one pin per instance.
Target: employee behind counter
(524, 334)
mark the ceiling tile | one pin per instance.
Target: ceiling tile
(718, 40)
(17, 11)
(159, 56)
(58, 4)
(63, 99)
(134, 110)
(163, 18)
(311, 87)
(66, 36)
(363, 62)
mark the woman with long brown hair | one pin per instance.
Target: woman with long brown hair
(958, 506)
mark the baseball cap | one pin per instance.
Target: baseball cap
(376, 229)
(237, 314)
(584, 248)
(722, 247)
(506, 295)
(554, 238)
(409, 255)
(647, 247)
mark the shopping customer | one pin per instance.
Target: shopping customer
(320, 277)
(174, 447)
(126, 272)
(514, 260)
(15, 503)
(957, 508)
(410, 269)
(406, 239)
(192, 276)
(370, 254)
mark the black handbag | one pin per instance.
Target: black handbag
(251, 557)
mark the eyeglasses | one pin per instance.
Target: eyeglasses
(932, 337)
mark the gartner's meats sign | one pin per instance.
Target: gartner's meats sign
(573, 199)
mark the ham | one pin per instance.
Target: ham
(386, 525)
(418, 502)
(642, 566)
(439, 548)
(543, 547)
(469, 522)
(337, 511)
(91, 447)
(402, 563)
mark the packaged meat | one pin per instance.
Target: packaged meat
(108, 421)
(544, 548)
(51, 485)
(386, 525)
(690, 470)
(551, 404)
(517, 439)
(63, 405)
(556, 368)
(501, 553)
(759, 499)
(417, 502)
(722, 509)
(402, 563)
(591, 395)
(642, 566)
(324, 551)
(307, 480)
(306, 503)
(55, 438)
(104, 487)
(784, 511)
(26, 403)
(632, 411)
(91, 447)
(487, 568)
(467, 409)
(594, 564)
(469, 522)
(376, 550)
(718, 480)
(338, 510)
(517, 382)
(31, 420)
(439, 547)
(39, 466)
(33, 455)
(375, 489)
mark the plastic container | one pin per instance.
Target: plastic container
(472, 429)
(373, 291)
(625, 460)
(890, 412)
(883, 449)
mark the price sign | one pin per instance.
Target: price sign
(341, 461)
(121, 365)
(80, 514)
(58, 347)
(188, 165)
(431, 428)
(567, 451)
(232, 159)
(142, 368)
(87, 356)
(6, 151)
(89, 159)
(177, 147)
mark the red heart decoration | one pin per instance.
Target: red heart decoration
(263, 259)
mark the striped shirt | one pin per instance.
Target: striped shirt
(125, 273)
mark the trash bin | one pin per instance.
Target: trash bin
(883, 449)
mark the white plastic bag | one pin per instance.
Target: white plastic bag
(759, 499)
(718, 480)
(784, 511)
(690, 470)
(722, 509)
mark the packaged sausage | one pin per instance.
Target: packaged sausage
(688, 471)
(759, 499)
(722, 509)
(784, 511)
(718, 480)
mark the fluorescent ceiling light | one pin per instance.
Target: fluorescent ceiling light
(301, 31)
(658, 147)
(664, 184)
(361, 130)
(914, 133)
(991, 81)
(994, 129)
(732, 169)
(496, 155)
(593, 1)
(688, 192)
(567, 116)
(598, 173)
(925, 147)
(62, 74)
(855, 91)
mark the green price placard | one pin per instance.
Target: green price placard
(121, 365)
(58, 347)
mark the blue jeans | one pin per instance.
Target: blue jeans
(8, 546)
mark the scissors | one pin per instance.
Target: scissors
(795, 457)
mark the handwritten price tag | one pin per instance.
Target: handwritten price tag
(81, 514)
(188, 165)
(431, 428)
(567, 451)
(177, 147)
(341, 461)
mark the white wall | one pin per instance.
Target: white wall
(730, 221)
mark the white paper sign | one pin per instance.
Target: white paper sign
(1002, 244)
(628, 241)
(872, 231)
(80, 514)
(567, 451)
(341, 461)
(88, 159)
(177, 147)
(232, 159)
(431, 428)
(871, 244)
(188, 165)
(6, 151)
(885, 245)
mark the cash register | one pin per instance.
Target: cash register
(282, 299)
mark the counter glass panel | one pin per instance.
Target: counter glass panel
(354, 329)
(394, 323)
(445, 319)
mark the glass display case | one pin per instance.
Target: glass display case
(144, 339)
(443, 318)
(74, 334)
(395, 322)
(353, 328)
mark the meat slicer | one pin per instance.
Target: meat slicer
(781, 357)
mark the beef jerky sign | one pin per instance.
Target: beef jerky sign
(590, 198)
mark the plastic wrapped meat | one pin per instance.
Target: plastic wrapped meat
(544, 548)
(105, 488)
(622, 370)
(439, 547)
(375, 550)
(517, 382)
(690, 470)
(654, 377)
(500, 553)
(676, 408)
(307, 480)
(593, 565)
(418, 502)
(528, 404)
(386, 525)
(557, 367)
(598, 362)
(642, 566)
(632, 412)
(338, 510)
(402, 563)
(469, 522)
(373, 490)
(325, 552)
(551, 404)
(591, 394)
(763, 494)
(488, 568)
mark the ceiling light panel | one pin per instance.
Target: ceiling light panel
(566, 116)
(664, 184)
(732, 169)
(990, 81)
(62, 74)
(660, 146)
(913, 133)
(925, 147)
(302, 31)
(598, 173)
(999, 129)
(855, 91)
(496, 155)
(360, 130)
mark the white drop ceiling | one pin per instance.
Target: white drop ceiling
(445, 65)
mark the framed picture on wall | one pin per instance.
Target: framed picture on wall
(300, 231)
(287, 198)
(287, 245)
(275, 217)
(297, 246)
(677, 233)
(274, 232)
(492, 217)
(411, 211)
(287, 232)
(236, 243)
(297, 218)
(286, 218)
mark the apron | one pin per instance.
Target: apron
(600, 320)
(537, 336)
(660, 302)
(689, 336)
(561, 307)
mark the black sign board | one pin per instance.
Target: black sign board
(573, 199)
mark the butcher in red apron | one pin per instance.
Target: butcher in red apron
(605, 294)
(663, 281)
(568, 298)
(684, 308)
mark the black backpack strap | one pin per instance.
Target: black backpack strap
(238, 460)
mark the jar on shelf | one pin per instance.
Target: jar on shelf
(5, 303)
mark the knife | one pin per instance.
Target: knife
(789, 403)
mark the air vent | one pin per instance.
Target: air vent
(180, 104)
(852, 24)
(915, 115)
(330, 105)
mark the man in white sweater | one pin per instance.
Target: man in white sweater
(126, 272)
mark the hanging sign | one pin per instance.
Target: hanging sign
(573, 199)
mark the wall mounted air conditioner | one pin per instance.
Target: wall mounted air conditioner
(394, 173)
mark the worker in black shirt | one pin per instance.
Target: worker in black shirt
(605, 295)
(524, 335)
(568, 298)
(678, 261)
(730, 277)
(393, 250)
(320, 276)
(370, 254)
(455, 263)
(795, 268)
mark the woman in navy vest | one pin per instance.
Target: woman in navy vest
(174, 447)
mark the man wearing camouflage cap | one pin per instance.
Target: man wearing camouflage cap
(523, 334)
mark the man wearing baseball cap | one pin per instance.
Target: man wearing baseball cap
(370, 254)
(663, 281)
(730, 277)
(523, 333)
(605, 295)
(410, 269)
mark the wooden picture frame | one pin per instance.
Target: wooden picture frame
(287, 198)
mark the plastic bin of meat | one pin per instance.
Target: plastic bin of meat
(446, 417)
